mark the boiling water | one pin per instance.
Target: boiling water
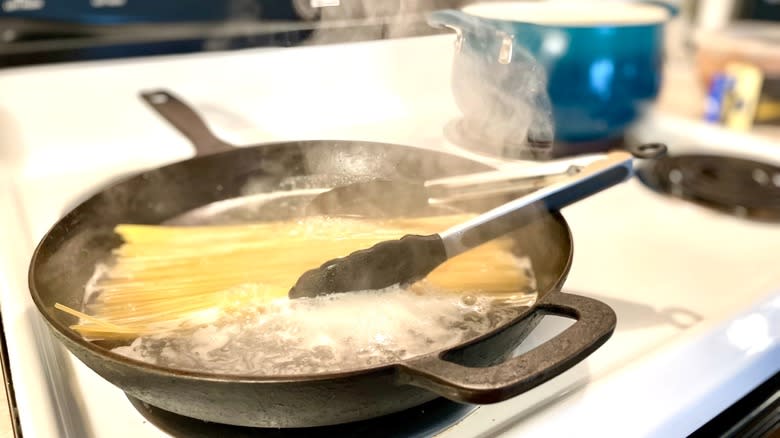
(325, 334)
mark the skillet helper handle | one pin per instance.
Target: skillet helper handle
(595, 324)
(187, 121)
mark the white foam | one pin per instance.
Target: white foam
(91, 288)
(337, 332)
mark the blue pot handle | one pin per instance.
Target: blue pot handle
(673, 10)
(454, 19)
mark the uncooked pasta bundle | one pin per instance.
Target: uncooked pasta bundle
(165, 278)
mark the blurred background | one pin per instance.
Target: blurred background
(725, 52)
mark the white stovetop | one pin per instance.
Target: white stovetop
(697, 293)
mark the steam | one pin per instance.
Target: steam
(499, 86)
(501, 90)
(505, 106)
(530, 103)
(362, 20)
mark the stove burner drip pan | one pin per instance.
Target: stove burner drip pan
(737, 186)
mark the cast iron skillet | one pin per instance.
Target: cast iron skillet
(477, 371)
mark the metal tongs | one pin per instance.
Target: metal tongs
(380, 197)
(412, 257)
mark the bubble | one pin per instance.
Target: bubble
(326, 334)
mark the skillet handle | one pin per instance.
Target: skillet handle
(595, 324)
(187, 121)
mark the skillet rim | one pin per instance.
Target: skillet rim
(60, 329)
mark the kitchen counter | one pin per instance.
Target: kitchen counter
(683, 96)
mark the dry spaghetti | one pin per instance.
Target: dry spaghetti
(165, 278)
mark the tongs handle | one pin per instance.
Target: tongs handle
(519, 178)
(507, 180)
(614, 168)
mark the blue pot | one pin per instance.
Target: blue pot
(597, 76)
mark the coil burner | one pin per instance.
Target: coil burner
(744, 188)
